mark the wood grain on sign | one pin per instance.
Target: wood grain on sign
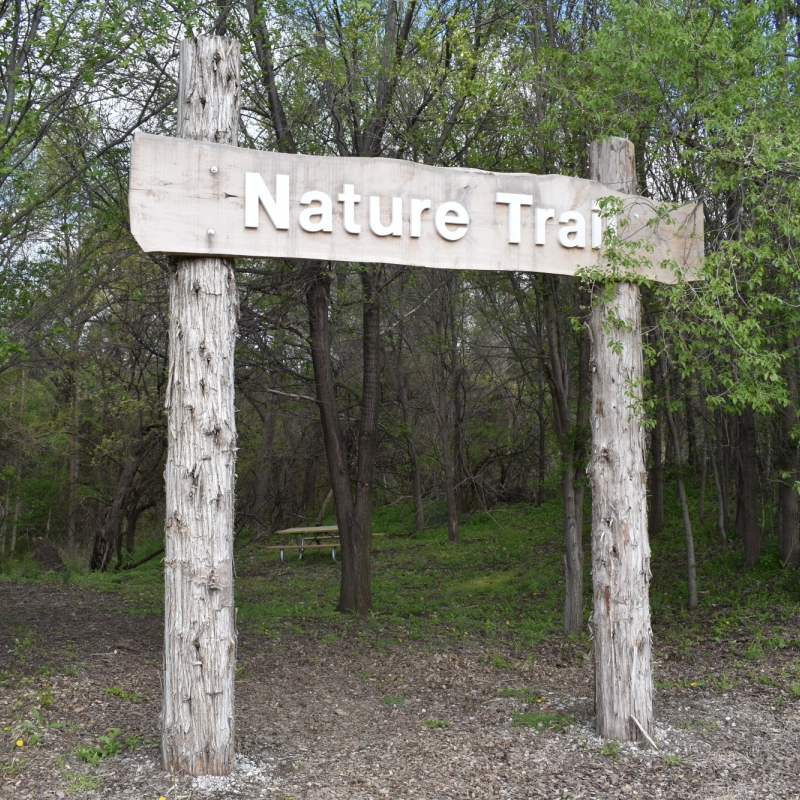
(182, 190)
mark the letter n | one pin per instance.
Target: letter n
(255, 192)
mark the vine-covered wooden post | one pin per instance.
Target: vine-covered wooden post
(618, 475)
(199, 617)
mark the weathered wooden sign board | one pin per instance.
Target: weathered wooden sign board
(203, 199)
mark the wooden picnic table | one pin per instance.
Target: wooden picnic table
(317, 537)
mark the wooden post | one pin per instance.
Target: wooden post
(618, 475)
(199, 617)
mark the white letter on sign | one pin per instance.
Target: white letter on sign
(514, 202)
(442, 218)
(395, 227)
(255, 192)
(597, 226)
(417, 207)
(324, 211)
(542, 215)
(579, 229)
(349, 198)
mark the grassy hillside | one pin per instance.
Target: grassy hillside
(501, 583)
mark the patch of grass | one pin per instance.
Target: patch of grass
(611, 748)
(541, 720)
(396, 700)
(83, 783)
(39, 721)
(526, 695)
(674, 761)
(23, 640)
(107, 745)
(499, 662)
(118, 691)
(755, 651)
(45, 696)
(12, 769)
(501, 586)
(795, 689)
(436, 723)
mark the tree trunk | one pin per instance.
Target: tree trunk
(445, 424)
(458, 392)
(618, 475)
(657, 476)
(111, 530)
(5, 508)
(354, 518)
(444, 402)
(74, 466)
(721, 521)
(691, 433)
(573, 552)
(724, 466)
(310, 480)
(263, 500)
(558, 378)
(401, 384)
(541, 467)
(356, 588)
(14, 526)
(703, 478)
(321, 516)
(133, 521)
(199, 615)
(680, 464)
(788, 544)
(747, 489)
(416, 480)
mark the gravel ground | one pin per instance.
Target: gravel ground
(343, 719)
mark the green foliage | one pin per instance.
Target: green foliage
(118, 691)
(526, 695)
(108, 745)
(611, 748)
(435, 723)
(394, 700)
(674, 761)
(83, 783)
(39, 721)
(541, 720)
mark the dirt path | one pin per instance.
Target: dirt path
(342, 719)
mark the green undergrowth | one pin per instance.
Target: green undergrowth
(501, 583)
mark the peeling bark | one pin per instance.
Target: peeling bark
(199, 616)
(618, 475)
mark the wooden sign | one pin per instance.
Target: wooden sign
(204, 199)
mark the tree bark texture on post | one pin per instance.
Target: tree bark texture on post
(618, 475)
(199, 618)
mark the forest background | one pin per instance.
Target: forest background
(451, 392)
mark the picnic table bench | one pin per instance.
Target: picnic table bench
(319, 537)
